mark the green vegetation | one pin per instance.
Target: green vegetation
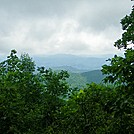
(29, 101)
(76, 80)
(80, 80)
(40, 101)
(93, 76)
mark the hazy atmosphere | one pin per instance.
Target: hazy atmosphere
(45, 27)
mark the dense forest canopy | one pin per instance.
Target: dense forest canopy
(38, 100)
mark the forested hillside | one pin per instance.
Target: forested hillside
(36, 100)
(76, 80)
(80, 80)
(93, 76)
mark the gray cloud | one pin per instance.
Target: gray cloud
(41, 8)
(61, 26)
(104, 14)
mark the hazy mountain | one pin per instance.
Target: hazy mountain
(77, 62)
(82, 69)
(69, 69)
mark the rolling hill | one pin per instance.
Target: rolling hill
(82, 69)
(93, 76)
(81, 79)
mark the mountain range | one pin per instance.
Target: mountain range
(70, 62)
(82, 69)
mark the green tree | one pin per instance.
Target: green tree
(121, 69)
(88, 111)
(128, 35)
(29, 98)
(120, 72)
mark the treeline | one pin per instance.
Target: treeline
(39, 101)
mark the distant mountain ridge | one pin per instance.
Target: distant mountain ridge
(72, 61)
(82, 69)
(69, 69)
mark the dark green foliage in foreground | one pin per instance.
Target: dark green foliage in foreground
(29, 101)
(120, 72)
(37, 102)
(42, 102)
(121, 69)
(128, 35)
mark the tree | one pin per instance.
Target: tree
(88, 111)
(120, 72)
(128, 35)
(29, 98)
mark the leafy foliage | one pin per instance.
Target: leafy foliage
(121, 73)
(128, 35)
(40, 101)
(121, 70)
(28, 100)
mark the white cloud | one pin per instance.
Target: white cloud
(50, 27)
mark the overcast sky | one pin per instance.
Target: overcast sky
(80, 27)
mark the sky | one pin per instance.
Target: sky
(47, 27)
